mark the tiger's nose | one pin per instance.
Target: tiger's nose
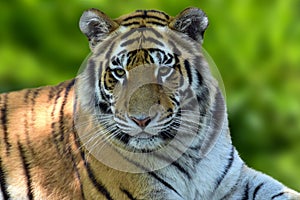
(141, 122)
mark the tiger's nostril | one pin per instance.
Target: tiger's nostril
(141, 122)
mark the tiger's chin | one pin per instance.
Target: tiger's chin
(144, 142)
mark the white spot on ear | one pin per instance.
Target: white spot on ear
(205, 21)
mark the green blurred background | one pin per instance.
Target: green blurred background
(254, 43)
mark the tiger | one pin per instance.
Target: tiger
(143, 119)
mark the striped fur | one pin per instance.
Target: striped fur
(46, 132)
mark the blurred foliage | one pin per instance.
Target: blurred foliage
(255, 44)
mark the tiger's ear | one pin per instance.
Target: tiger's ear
(96, 26)
(192, 22)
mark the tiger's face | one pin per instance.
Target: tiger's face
(143, 86)
(146, 81)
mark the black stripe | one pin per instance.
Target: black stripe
(199, 78)
(126, 35)
(3, 184)
(103, 107)
(33, 118)
(129, 60)
(235, 187)
(153, 174)
(4, 122)
(142, 25)
(102, 80)
(164, 14)
(35, 94)
(26, 114)
(143, 16)
(103, 51)
(26, 96)
(133, 17)
(229, 192)
(169, 59)
(128, 194)
(108, 53)
(155, 11)
(131, 23)
(174, 163)
(228, 166)
(175, 100)
(191, 156)
(109, 81)
(256, 190)
(98, 73)
(51, 93)
(175, 50)
(277, 195)
(150, 39)
(53, 127)
(159, 20)
(202, 98)
(154, 50)
(69, 151)
(61, 112)
(132, 56)
(246, 192)
(155, 41)
(128, 42)
(182, 170)
(156, 33)
(188, 71)
(99, 186)
(26, 167)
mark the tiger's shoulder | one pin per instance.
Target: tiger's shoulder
(38, 106)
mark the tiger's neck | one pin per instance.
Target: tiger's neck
(193, 175)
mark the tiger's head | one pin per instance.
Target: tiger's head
(146, 81)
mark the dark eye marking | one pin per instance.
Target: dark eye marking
(117, 61)
(188, 71)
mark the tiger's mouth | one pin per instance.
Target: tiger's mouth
(147, 142)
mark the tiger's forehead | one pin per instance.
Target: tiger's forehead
(141, 38)
(144, 18)
(132, 47)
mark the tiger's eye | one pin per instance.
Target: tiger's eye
(119, 72)
(164, 71)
